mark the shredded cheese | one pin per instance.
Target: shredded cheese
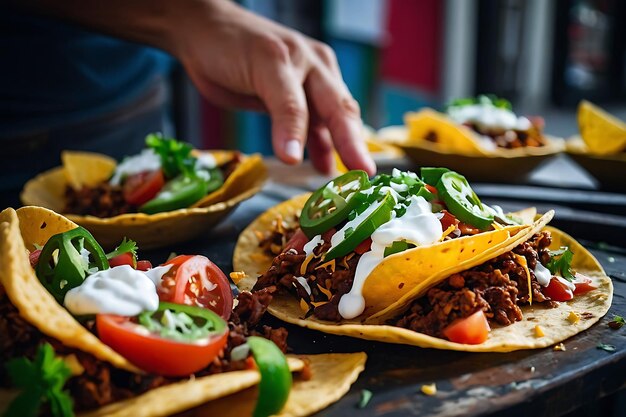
(345, 259)
(303, 305)
(305, 264)
(497, 226)
(539, 331)
(449, 230)
(522, 262)
(560, 347)
(573, 317)
(319, 303)
(430, 389)
(237, 276)
(330, 263)
(326, 292)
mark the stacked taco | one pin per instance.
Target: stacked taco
(105, 334)
(421, 260)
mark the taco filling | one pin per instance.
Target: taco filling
(495, 123)
(169, 323)
(167, 175)
(351, 226)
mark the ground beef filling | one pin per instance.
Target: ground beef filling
(507, 139)
(101, 383)
(105, 200)
(497, 287)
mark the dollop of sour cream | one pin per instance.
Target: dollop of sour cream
(488, 117)
(147, 160)
(418, 226)
(542, 274)
(121, 290)
(312, 244)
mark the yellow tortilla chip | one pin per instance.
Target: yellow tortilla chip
(86, 168)
(251, 259)
(603, 133)
(150, 230)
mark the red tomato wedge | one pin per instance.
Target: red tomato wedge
(153, 353)
(448, 220)
(364, 246)
(196, 281)
(297, 241)
(33, 257)
(583, 284)
(557, 290)
(144, 265)
(471, 330)
(123, 259)
(143, 187)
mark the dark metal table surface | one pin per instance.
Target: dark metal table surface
(541, 382)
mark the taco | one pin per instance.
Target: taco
(88, 331)
(168, 187)
(432, 263)
(482, 126)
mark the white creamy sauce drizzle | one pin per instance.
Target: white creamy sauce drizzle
(121, 290)
(147, 160)
(312, 244)
(565, 282)
(205, 160)
(304, 284)
(542, 274)
(488, 117)
(418, 226)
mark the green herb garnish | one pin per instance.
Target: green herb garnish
(366, 396)
(492, 99)
(175, 156)
(617, 322)
(603, 346)
(561, 263)
(40, 381)
(126, 246)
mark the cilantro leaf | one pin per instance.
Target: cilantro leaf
(617, 322)
(492, 99)
(561, 263)
(175, 156)
(40, 381)
(605, 347)
(126, 246)
(366, 396)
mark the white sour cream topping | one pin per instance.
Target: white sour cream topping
(205, 160)
(340, 235)
(304, 284)
(418, 226)
(120, 290)
(147, 160)
(565, 282)
(542, 274)
(312, 244)
(488, 117)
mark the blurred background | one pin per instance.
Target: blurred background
(398, 55)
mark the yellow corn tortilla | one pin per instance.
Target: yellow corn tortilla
(149, 230)
(603, 133)
(21, 230)
(251, 260)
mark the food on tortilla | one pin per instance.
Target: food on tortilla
(436, 274)
(135, 342)
(91, 190)
(601, 132)
(481, 126)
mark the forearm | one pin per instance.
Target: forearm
(152, 22)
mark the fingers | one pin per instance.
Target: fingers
(320, 147)
(279, 85)
(222, 97)
(340, 113)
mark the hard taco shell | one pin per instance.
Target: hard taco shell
(149, 230)
(250, 259)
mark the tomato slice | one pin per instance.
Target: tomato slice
(196, 281)
(558, 291)
(144, 265)
(448, 220)
(364, 246)
(155, 354)
(123, 259)
(33, 257)
(142, 187)
(583, 284)
(297, 241)
(470, 330)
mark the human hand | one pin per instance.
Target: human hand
(238, 59)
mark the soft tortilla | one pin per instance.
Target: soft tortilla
(149, 230)
(250, 259)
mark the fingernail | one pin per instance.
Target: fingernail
(293, 149)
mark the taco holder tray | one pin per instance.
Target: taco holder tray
(540, 382)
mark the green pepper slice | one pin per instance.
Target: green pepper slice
(431, 175)
(178, 193)
(182, 323)
(363, 228)
(331, 204)
(462, 201)
(70, 268)
(216, 179)
(275, 376)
